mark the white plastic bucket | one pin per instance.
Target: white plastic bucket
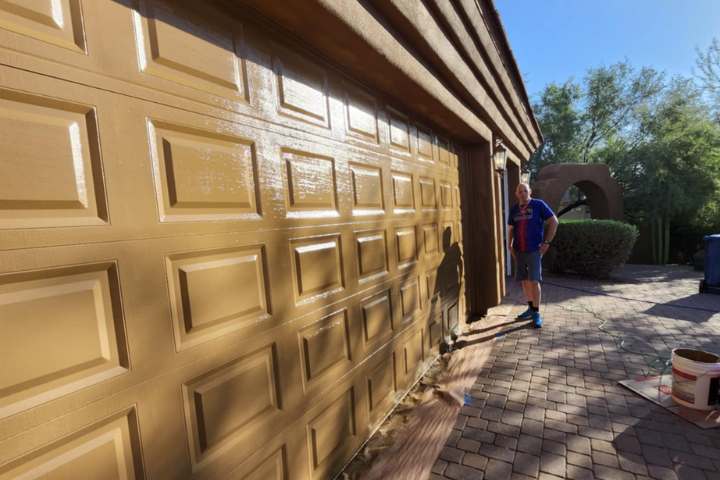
(696, 378)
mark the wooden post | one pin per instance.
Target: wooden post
(513, 173)
(483, 257)
(499, 238)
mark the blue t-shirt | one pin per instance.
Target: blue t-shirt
(528, 224)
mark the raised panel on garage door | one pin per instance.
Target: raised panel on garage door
(57, 22)
(109, 449)
(201, 175)
(181, 45)
(55, 144)
(216, 292)
(40, 312)
(249, 382)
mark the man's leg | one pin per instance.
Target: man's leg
(534, 293)
(522, 276)
(528, 291)
(535, 277)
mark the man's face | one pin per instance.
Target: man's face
(522, 193)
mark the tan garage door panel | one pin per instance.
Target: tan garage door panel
(217, 257)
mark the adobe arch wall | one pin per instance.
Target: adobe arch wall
(603, 192)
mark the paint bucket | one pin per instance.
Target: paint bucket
(696, 378)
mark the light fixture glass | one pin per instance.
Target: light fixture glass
(500, 156)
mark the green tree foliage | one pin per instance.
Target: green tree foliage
(578, 119)
(658, 137)
(559, 116)
(613, 95)
(671, 173)
(708, 64)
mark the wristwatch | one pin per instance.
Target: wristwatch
(546, 242)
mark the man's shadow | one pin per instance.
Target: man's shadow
(446, 296)
(447, 288)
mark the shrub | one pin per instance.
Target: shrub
(591, 247)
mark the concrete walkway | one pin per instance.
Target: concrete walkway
(547, 404)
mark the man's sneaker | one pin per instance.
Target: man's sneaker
(526, 315)
(537, 320)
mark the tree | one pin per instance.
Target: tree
(613, 96)
(708, 63)
(672, 173)
(577, 120)
(559, 115)
(658, 137)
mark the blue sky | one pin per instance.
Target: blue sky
(554, 40)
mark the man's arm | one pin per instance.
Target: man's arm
(551, 225)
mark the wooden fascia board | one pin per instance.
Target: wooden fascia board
(508, 53)
(470, 42)
(473, 14)
(421, 20)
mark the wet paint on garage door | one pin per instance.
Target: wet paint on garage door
(218, 256)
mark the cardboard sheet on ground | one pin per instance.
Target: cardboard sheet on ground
(657, 390)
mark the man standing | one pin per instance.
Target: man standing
(528, 240)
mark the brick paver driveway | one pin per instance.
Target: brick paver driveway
(547, 404)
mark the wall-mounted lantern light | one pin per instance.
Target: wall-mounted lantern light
(500, 156)
(525, 177)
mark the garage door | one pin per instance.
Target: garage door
(218, 256)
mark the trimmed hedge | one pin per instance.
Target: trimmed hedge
(591, 247)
